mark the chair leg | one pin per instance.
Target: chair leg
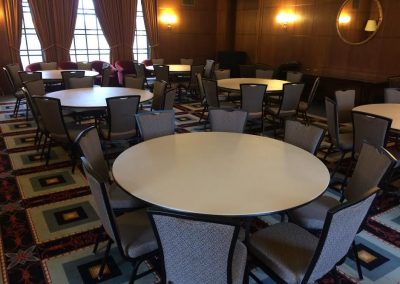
(202, 113)
(328, 152)
(96, 244)
(104, 262)
(335, 277)
(135, 265)
(48, 153)
(358, 263)
(26, 111)
(44, 146)
(16, 107)
(337, 165)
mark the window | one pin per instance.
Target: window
(30, 49)
(89, 42)
(140, 44)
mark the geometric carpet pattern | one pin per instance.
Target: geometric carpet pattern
(48, 220)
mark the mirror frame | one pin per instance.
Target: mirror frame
(380, 10)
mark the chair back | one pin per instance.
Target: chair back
(332, 120)
(158, 95)
(157, 61)
(372, 165)
(51, 114)
(247, 71)
(307, 137)
(194, 69)
(90, 145)
(341, 226)
(252, 97)
(345, 103)
(169, 99)
(294, 77)
(13, 76)
(121, 116)
(105, 77)
(313, 91)
(84, 65)
(199, 79)
(194, 247)
(209, 69)
(134, 82)
(211, 92)
(186, 61)
(66, 75)
(161, 72)
(222, 74)
(140, 69)
(291, 97)
(392, 95)
(369, 128)
(48, 65)
(156, 124)
(265, 74)
(227, 121)
(26, 76)
(35, 88)
(84, 82)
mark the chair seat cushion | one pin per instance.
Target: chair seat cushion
(254, 115)
(286, 249)
(136, 233)
(120, 199)
(346, 141)
(73, 131)
(312, 215)
(283, 113)
(239, 263)
(116, 135)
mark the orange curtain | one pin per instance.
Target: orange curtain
(150, 21)
(13, 22)
(117, 19)
(64, 15)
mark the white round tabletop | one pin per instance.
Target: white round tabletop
(391, 111)
(233, 84)
(173, 68)
(96, 97)
(220, 173)
(55, 75)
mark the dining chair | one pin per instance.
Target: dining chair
(15, 83)
(294, 77)
(131, 232)
(264, 74)
(222, 74)
(252, 101)
(26, 76)
(209, 68)
(305, 105)
(198, 249)
(66, 75)
(345, 103)
(156, 124)
(134, 82)
(392, 95)
(291, 254)
(307, 137)
(222, 120)
(162, 73)
(186, 61)
(82, 82)
(141, 72)
(192, 84)
(159, 90)
(105, 76)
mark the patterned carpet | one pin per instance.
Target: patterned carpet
(49, 223)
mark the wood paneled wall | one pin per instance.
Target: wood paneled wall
(313, 39)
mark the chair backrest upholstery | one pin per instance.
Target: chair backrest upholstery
(341, 226)
(48, 65)
(307, 137)
(186, 61)
(84, 82)
(313, 91)
(194, 69)
(291, 97)
(89, 142)
(222, 74)
(247, 71)
(206, 244)
(158, 95)
(265, 74)
(294, 77)
(252, 97)
(211, 92)
(372, 165)
(332, 120)
(156, 124)
(66, 75)
(227, 121)
(13, 76)
(51, 114)
(35, 88)
(84, 65)
(201, 87)
(209, 69)
(392, 95)
(169, 99)
(140, 69)
(157, 61)
(371, 129)
(121, 116)
(26, 76)
(134, 82)
(161, 72)
(345, 103)
(105, 77)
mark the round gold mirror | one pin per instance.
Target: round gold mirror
(359, 20)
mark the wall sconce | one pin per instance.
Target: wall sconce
(284, 18)
(169, 18)
(371, 26)
(344, 19)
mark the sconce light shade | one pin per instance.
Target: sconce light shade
(371, 26)
(344, 19)
(169, 18)
(284, 18)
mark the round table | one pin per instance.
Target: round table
(96, 97)
(174, 68)
(391, 111)
(55, 75)
(233, 84)
(219, 173)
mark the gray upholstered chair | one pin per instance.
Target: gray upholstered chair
(288, 104)
(293, 255)
(193, 85)
(105, 76)
(209, 68)
(162, 73)
(222, 120)
(134, 82)
(26, 76)
(307, 137)
(294, 77)
(169, 99)
(198, 249)
(66, 75)
(392, 95)
(341, 141)
(131, 232)
(15, 82)
(121, 123)
(252, 101)
(305, 105)
(141, 72)
(159, 91)
(156, 124)
(264, 74)
(48, 65)
(186, 61)
(222, 74)
(345, 103)
(83, 82)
